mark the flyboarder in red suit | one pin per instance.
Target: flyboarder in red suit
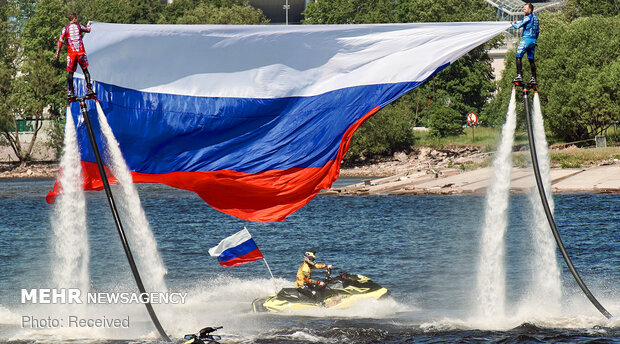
(76, 54)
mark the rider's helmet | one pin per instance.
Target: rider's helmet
(310, 258)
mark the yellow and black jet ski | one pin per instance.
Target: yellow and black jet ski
(340, 291)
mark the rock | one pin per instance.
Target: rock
(424, 152)
(33, 170)
(401, 156)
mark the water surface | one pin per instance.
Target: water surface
(424, 249)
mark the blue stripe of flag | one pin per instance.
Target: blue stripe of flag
(238, 251)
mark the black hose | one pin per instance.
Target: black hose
(543, 198)
(119, 226)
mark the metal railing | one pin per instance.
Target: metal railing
(512, 10)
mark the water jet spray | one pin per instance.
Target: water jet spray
(545, 203)
(117, 221)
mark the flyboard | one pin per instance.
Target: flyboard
(541, 191)
(117, 221)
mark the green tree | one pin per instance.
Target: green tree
(385, 132)
(212, 12)
(178, 12)
(578, 68)
(143, 11)
(30, 99)
(42, 87)
(28, 76)
(494, 112)
(42, 29)
(107, 11)
(423, 11)
(467, 84)
(586, 8)
(8, 35)
(9, 52)
(33, 83)
(24, 9)
(350, 12)
(445, 121)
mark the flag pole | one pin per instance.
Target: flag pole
(268, 268)
(272, 278)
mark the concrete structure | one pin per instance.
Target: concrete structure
(512, 10)
(41, 150)
(602, 179)
(498, 55)
(276, 10)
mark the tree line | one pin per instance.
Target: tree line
(32, 81)
(577, 57)
(578, 71)
(443, 102)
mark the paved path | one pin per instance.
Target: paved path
(591, 179)
(597, 179)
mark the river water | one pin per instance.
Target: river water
(425, 249)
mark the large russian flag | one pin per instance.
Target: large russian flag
(237, 249)
(254, 119)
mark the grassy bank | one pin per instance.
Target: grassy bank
(487, 138)
(572, 157)
(578, 157)
(481, 136)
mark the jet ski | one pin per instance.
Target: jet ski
(340, 291)
(203, 336)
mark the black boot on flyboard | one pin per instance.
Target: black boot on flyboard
(90, 94)
(71, 97)
(70, 92)
(519, 78)
(533, 82)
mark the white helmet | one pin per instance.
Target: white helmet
(310, 258)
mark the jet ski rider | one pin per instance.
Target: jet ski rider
(304, 283)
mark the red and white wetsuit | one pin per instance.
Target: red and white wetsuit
(75, 47)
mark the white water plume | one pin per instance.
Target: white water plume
(546, 288)
(145, 249)
(491, 286)
(70, 266)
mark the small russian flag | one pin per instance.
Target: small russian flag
(237, 249)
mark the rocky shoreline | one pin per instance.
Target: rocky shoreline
(32, 170)
(593, 179)
(419, 158)
(423, 170)
(460, 170)
(431, 160)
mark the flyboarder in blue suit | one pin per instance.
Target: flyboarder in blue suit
(528, 41)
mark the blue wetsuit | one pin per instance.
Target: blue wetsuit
(530, 34)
